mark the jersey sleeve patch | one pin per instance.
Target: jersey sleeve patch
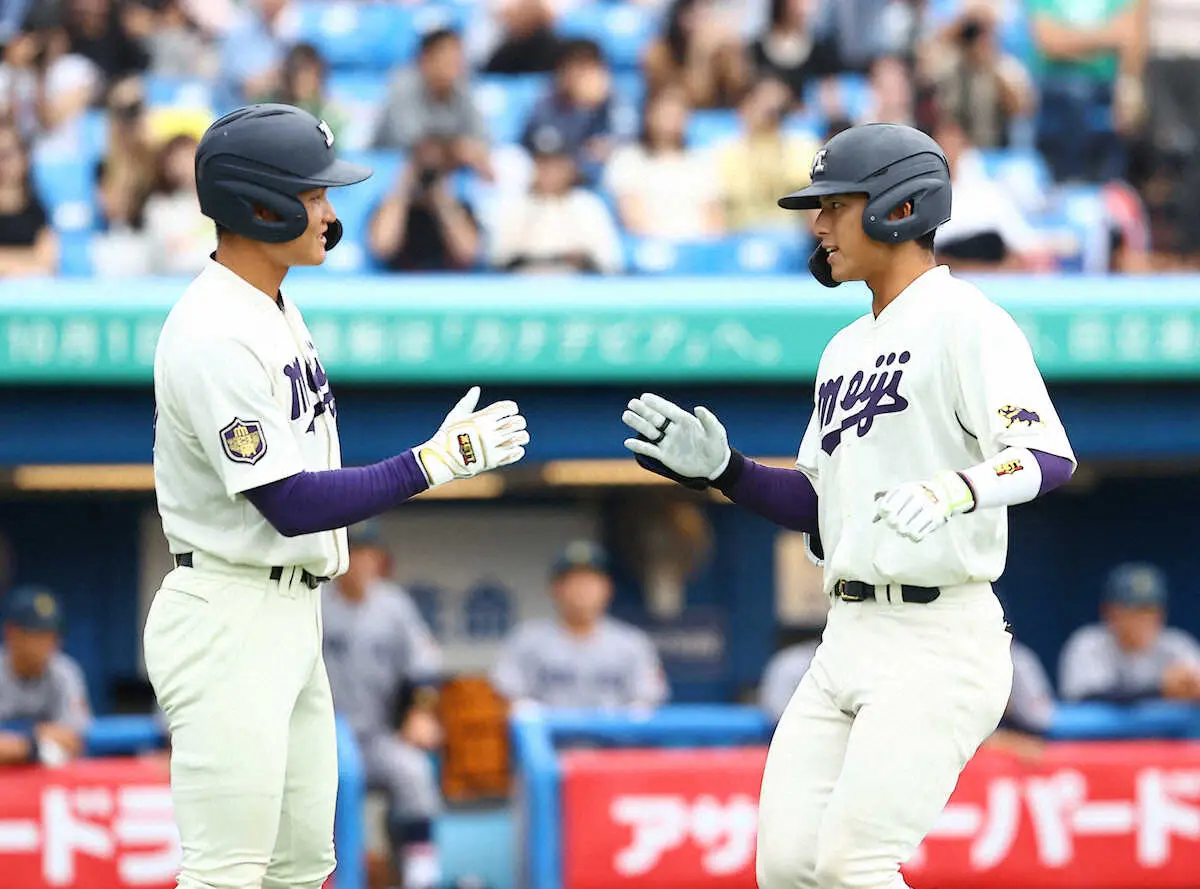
(243, 441)
(1013, 414)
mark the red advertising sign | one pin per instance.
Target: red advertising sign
(1101, 815)
(95, 824)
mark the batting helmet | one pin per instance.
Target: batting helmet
(264, 156)
(891, 164)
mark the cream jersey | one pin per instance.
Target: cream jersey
(943, 379)
(241, 400)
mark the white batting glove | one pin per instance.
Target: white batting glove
(694, 445)
(470, 442)
(917, 509)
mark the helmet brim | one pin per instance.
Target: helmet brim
(340, 172)
(809, 198)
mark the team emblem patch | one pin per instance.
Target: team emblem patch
(243, 441)
(1014, 414)
(327, 133)
(1009, 468)
(818, 162)
(466, 449)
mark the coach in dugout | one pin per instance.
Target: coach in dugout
(582, 658)
(1132, 655)
(384, 668)
(44, 708)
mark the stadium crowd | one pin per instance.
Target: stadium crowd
(550, 135)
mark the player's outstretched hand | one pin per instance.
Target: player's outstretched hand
(471, 441)
(917, 509)
(692, 447)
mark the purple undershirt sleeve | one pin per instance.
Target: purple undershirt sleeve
(784, 496)
(1056, 470)
(308, 502)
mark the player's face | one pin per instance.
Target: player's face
(1134, 628)
(852, 255)
(309, 248)
(582, 596)
(30, 651)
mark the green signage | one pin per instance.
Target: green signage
(408, 329)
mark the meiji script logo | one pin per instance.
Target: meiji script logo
(862, 400)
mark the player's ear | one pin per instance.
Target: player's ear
(902, 212)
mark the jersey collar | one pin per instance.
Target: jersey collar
(230, 282)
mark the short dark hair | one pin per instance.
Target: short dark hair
(221, 230)
(436, 37)
(579, 50)
(926, 240)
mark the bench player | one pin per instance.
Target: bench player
(254, 504)
(930, 418)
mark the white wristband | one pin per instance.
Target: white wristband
(1013, 476)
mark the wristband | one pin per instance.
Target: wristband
(732, 472)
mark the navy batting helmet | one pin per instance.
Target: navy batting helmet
(264, 156)
(891, 164)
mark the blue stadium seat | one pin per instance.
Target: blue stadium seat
(66, 188)
(766, 253)
(1023, 173)
(630, 86)
(75, 253)
(709, 126)
(178, 92)
(506, 102)
(358, 96)
(378, 35)
(621, 29)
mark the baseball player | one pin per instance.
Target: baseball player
(44, 709)
(930, 418)
(254, 504)
(584, 658)
(384, 668)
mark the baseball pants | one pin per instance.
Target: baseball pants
(406, 773)
(866, 755)
(235, 661)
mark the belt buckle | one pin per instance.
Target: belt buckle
(840, 589)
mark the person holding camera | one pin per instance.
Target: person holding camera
(421, 225)
(983, 88)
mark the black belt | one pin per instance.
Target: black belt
(184, 560)
(859, 591)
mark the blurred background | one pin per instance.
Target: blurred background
(574, 202)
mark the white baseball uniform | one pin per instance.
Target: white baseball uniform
(233, 643)
(900, 694)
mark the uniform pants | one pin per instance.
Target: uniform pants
(235, 661)
(406, 773)
(897, 700)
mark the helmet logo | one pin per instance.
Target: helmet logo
(327, 133)
(818, 162)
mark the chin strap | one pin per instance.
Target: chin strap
(818, 264)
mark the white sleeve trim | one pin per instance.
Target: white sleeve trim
(1010, 477)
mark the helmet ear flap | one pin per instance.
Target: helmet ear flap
(930, 197)
(293, 218)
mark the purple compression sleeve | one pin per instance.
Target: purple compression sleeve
(785, 496)
(308, 502)
(1056, 470)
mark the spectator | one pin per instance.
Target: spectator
(662, 188)
(892, 98)
(176, 44)
(1089, 61)
(1132, 655)
(125, 175)
(584, 658)
(302, 83)
(862, 31)
(987, 229)
(783, 673)
(578, 114)
(1030, 712)
(763, 162)
(983, 88)
(527, 43)
(44, 87)
(421, 225)
(100, 31)
(384, 669)
(44, 708)
(433, 100)
(790, 51)
(253, 50)
(179, 237)
(700, 48)
(557, 227)
(28, 244)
